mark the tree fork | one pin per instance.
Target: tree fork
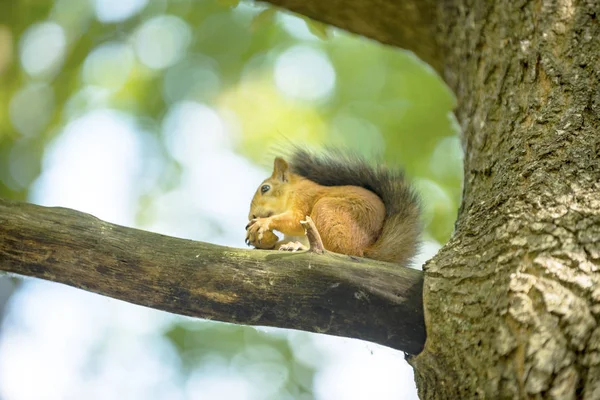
(324, 293)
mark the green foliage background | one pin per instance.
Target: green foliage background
(384, 101)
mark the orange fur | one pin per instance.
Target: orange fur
(348, 218)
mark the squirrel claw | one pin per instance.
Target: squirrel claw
(256, 230)
(252, 221)
(292, 246)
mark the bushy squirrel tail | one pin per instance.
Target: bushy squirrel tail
(399, 238)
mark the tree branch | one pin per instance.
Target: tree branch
(408, 24)
(329, 293)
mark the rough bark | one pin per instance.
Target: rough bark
(512, 302)
(324, 293)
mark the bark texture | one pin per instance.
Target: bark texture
(512, 303)
(324, 293)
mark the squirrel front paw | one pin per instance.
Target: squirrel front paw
(259, 235)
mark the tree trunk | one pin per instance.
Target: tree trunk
(512, 302)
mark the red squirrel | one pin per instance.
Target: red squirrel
(358, 209)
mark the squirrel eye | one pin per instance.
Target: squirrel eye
(265, 188)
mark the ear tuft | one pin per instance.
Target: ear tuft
(281, 169)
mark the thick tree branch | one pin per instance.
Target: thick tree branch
(329, 293)
(408, 24)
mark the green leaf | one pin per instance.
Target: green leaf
(263, 18)
(318, 29)
(229, 3)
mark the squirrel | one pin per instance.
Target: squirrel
(358, 209)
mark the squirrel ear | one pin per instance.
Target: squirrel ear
(281, 169)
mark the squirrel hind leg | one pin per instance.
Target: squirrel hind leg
(339, 228)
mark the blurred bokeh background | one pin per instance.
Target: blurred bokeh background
(165, 115)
